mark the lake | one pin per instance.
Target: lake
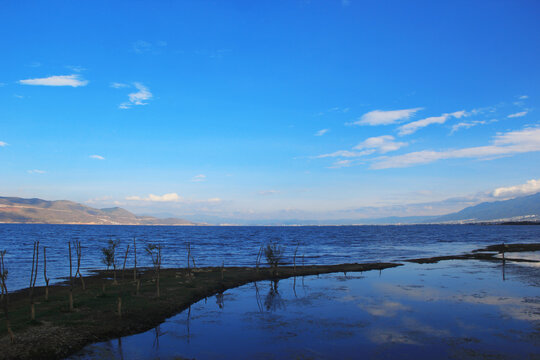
(238, 246)
(453, 309)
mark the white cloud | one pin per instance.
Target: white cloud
(530, 187)
(76, 68)
(513, 142)
(142, 46)
(380, 117)
(170, 197)
(519, 114)
(2, 143)
(97, 157)
(341, 163)
(382, 144)
(118, 85)
(523, 97)
(346, 154)
(268, 192)
(59, 80)
(415, 125)
(137, 98)
(36, 171)
(466, 125)
(321, 132)
(199, 178)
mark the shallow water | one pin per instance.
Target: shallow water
(453, 309)
(238, 246)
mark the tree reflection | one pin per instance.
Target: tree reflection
(273, 300)
(220, 300)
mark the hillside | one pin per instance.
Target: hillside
(521, 208)
(38, 211)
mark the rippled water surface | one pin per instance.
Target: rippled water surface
(454, 309)
(239, 245)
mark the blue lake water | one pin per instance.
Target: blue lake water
(238, 246)
(449, 310)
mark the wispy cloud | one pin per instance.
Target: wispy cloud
(381, 144)
(76, 68)
(118, 85)
(380, 117)
(199, 178)
(518, 114)
(412, 127)
(170, 197)
(97, 157)
(341, 164)
(268, 192)
(513, 142)
(36, 171)
(74, 80)
(530, 187)
(466, 125)
(137, 98)
(523, 97)
(321, 132)
(3, 143)
(345, 154)
(142, 46)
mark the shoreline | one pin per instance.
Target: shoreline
(58, 333)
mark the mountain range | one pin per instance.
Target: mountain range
(38, 211)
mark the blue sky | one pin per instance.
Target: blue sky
(270, 109)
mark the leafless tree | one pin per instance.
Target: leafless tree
(78, 252)
(109, 257)
(274, 256)
(70, 279)
(33, 277)
(45, 274)
(5, 294)
(122, 284)
(294, 257)
(155, 253)
(259, 257)
(135, 277)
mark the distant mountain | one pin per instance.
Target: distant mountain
(38, 211)
(518, 209)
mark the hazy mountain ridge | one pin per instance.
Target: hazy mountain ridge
(524, 208)
(38, 211)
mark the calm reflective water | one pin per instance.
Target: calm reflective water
(454, 309)
(239, 245)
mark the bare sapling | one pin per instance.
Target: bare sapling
(45, 274)
(33, 277)
(135, 277)
(5, 295)
(109, 259)
(125, 259)
(259, 258)
(119, 310)
(70, 279)
(274, 256)
(294, 258)
(78, 252)
(222, 269)
(155, 253)
(188, 246)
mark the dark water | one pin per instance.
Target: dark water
(239, 245)
(450, 310)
